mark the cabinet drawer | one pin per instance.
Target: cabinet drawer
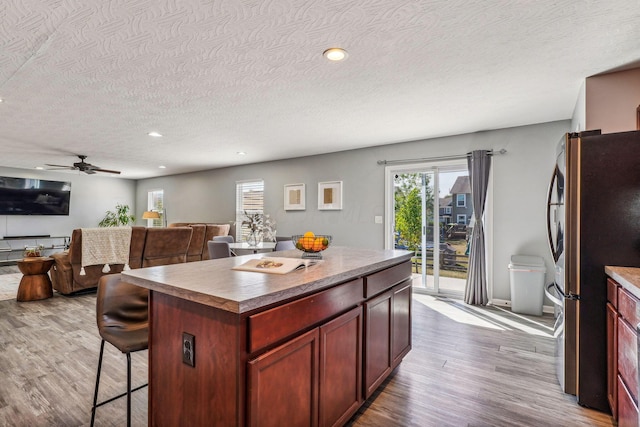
(281, 322)
(628, 358)
(385, 279)
(628, 306)
(627, 409)
(612, 292)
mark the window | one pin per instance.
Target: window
(155, 202)
(447, 210)
(461, 219)
(250, 199)
(461, 200)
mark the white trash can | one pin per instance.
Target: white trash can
(526, 274)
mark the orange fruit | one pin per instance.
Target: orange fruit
(317, 244)
(307, 243)
(309, 234)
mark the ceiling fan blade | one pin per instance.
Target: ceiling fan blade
(89, 171)
(105, 170)
(60, 166)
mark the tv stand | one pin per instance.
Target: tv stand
(13, 247)
(27, 236)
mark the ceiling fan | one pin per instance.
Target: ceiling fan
(83, 166)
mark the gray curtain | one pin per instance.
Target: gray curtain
(475, 292)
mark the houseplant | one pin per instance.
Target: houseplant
(260, 227)
(117, 218)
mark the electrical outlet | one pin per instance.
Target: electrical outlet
(188, 349)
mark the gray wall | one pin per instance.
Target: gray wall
(91, 197)
(520, 181)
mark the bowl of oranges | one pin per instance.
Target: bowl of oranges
(311, 244)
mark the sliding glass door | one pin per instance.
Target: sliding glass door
(431, 212)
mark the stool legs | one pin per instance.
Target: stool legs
(128, 389)
(95, 394)
(127, 393)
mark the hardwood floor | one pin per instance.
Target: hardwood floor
(9, 268)
(469, 366)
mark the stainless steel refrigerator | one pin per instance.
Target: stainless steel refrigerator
(593, 212)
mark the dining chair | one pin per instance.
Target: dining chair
(227, 238)
(122, 315)
(284, 245)
(218, 249)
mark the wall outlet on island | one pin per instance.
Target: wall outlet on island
(377, 219)
(188, 349)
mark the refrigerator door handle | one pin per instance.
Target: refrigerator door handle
(554, 249)
(569, 296)
(551, 296)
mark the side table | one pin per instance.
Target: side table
(35, 284)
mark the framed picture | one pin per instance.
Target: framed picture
(330, 195)
(294, 197)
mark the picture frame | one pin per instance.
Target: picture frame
(330, 195)
(294, 197)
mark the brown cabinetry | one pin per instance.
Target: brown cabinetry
(283, 384)
(300, 362)
(612, 359)
(311, 380)
(387, 333)
(622, 354)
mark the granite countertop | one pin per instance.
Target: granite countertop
(627, 277)
(215, 284)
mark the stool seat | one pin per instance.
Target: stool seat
(127, 341)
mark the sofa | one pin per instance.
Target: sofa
(149, 247)
(202, 233)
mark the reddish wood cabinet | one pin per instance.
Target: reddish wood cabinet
(298, 363)
(623, 316)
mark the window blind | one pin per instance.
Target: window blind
(249, 199)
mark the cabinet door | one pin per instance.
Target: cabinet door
(377, 363)
(340, 368)
(401, 322)
(627, 409)
(628, 358)
(283, 384)
(612, 359)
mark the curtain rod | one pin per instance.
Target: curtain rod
(434, 159)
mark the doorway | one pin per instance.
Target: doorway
(430, 212)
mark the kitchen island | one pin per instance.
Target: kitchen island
(235, 348)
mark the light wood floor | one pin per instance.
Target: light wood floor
(468, 367)
(9, 268)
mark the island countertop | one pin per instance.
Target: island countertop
(214, 283)
(627, 277)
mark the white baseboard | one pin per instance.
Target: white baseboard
(507, 303)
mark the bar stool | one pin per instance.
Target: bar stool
(122, 314)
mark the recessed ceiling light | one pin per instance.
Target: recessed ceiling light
(241, 153)
(1, 99)
(155, 134)
(39, 168)
(162, 167)
(335, 54)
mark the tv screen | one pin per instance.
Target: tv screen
(26, 196)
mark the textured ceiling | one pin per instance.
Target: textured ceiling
(220, 76)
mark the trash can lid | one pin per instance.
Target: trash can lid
(527, 260)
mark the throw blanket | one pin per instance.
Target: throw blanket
(106, 246)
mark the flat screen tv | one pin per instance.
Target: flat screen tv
(26, 196)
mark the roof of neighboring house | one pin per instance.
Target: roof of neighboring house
(445, 201)
(461, 185)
